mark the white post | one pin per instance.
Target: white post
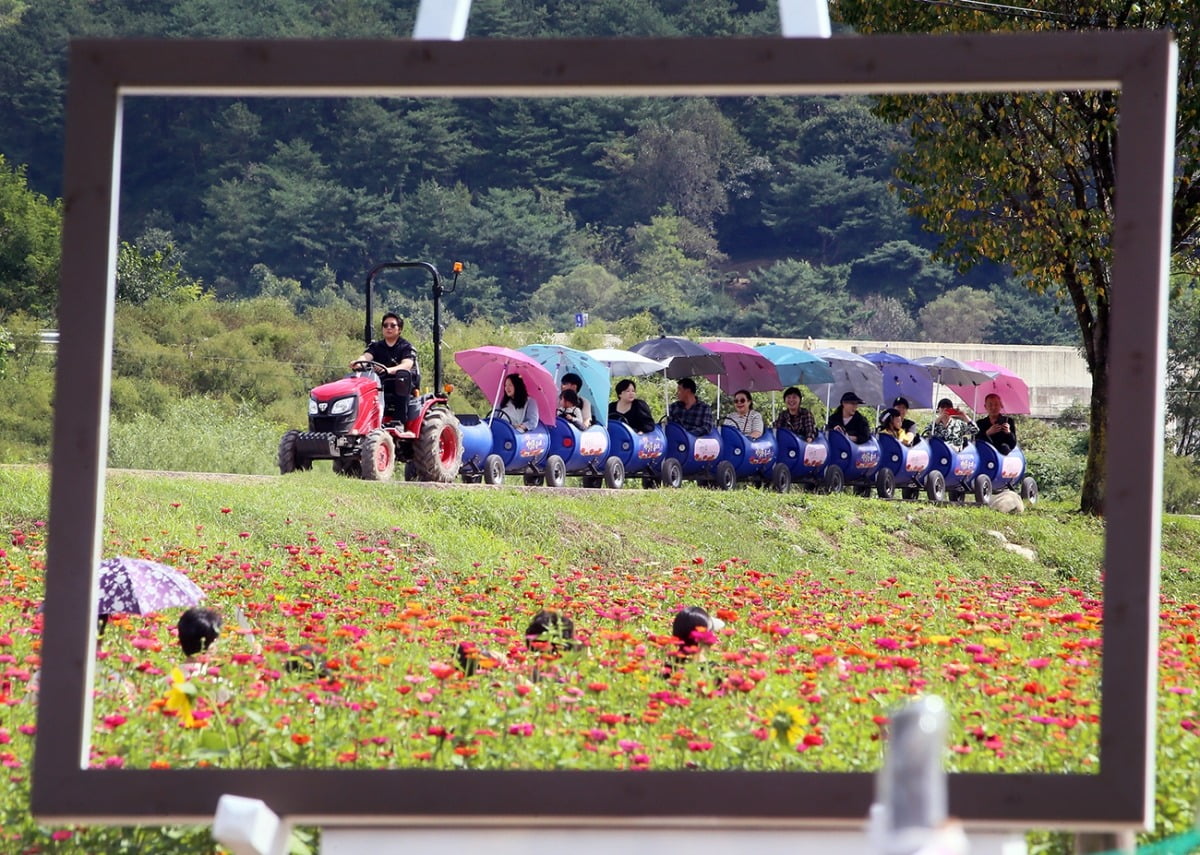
(444, 20)
(248, 827)
(804, 19)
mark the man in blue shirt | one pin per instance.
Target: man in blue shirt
(688, 411)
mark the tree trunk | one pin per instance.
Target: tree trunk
(1091, 500)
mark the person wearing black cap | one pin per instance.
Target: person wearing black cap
(848, 420)
(901, 404)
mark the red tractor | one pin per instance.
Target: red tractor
(364, 433)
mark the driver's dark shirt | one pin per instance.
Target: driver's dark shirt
(393, 355)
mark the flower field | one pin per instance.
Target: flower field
(835, 610)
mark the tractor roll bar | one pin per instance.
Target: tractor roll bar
(437, 290)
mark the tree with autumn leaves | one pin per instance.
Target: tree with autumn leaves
(1028, 179)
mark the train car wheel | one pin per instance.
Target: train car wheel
(592, 481)
(493, 469)
(935, 486)
(781, 478)
(650, 483)
(910, 492)
(532, 480)
(672, 473)
(885, 483)
(1029, 489)
(983, 489)
(834, 479)
(556, 471)
(726, 476)
(614, 473)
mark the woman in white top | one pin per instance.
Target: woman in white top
(744, 417)
(517, 406)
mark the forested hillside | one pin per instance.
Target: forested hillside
(747, 216)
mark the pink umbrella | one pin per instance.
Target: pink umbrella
(1013, 391)
(488, 366)
(745, 368)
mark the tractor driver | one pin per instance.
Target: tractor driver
(397, 356)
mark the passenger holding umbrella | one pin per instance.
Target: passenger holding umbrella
(846, 419)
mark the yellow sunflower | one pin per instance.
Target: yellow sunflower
(179, 697)
(786, 723)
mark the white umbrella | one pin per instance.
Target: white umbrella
(851, 373)
(950, 372)
(626, 363)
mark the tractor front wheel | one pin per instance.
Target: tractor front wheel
(378, 456)
(289, 460)
(438, 451)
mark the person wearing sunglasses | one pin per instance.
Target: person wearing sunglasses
(397, 361)
(744, 417)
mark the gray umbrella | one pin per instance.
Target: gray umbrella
(684, 357)
(136, 586)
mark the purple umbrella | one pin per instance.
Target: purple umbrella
(904, 378)
(136, 586)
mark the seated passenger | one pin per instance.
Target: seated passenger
(901, 404)
(689, 412)
(846, 419)
(631, 409)
(744, 417)
(574, 383)
(799, 420)
(996, 428)
(517, 406)
(950, 425)
(892, 424)
(568, 408)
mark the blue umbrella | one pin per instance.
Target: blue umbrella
(796, 367)
(559, 360)
(904, 378)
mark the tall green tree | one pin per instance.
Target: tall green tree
(30, 226)
(1029, 178)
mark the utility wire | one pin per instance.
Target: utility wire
(1005, 9)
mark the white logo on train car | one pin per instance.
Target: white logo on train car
(918, 459)
(593, 443)
(868, 460)
(815, 455)
(1010, 467)
(707, 448)
(533, 444)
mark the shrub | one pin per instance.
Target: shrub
(196, 435)
(1181, 485)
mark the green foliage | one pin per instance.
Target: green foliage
(883, 318)
(1055, 457)
(29, 238)
(1181, 484)
(195, 435)
(155, 274)
(962, 314)
(795, 298)
(1183, 366)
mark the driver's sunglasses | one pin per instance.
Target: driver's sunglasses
(740, 401)
(390, 324)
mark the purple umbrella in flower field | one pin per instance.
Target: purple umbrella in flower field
(136, 586)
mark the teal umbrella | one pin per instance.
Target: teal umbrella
(559, 360)
(796, 367)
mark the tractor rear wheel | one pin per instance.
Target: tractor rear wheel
(438, 451)
(289, 460)
(378, 455)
